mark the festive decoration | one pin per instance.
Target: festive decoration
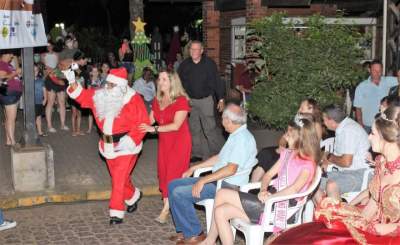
(141, 51)
(139, 25)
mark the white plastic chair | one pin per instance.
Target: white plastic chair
(254, 233)
(328, 144)
(308, 214)
(209, 203)
(349, 196)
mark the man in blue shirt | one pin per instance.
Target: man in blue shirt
(238, 153)
(369, 94)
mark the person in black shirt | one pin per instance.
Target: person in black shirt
(201, 81)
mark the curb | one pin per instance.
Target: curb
(65, 197)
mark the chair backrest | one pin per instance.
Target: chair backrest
(267, 222)
(328, 144)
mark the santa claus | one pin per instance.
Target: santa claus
(118, 111)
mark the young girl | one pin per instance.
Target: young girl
(377, 222)
(95, 82)
(295, 169)
(268, 156)
(40, 99)
(76, 109)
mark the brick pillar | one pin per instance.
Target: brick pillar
(254, 10)
(211, 30)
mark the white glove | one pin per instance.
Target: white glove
(74, 66)
(69, 75)
(125, 144)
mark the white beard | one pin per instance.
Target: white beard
(108, 102)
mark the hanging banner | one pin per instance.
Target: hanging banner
(20, 25)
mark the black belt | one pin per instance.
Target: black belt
(112, 138)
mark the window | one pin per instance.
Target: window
(238, 39)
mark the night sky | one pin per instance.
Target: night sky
(89, 13)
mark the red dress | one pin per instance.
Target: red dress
(174, 148)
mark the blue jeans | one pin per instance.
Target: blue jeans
(1, 217)
(182, 202)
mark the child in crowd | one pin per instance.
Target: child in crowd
(76, 115)
(105, 69)
(95, 83)
(40, 99)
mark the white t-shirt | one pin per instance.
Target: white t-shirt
(147, 89)
(352, 139)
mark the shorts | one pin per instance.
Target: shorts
(39, 110)
(11, 98)
(50, 86)
(346, 180)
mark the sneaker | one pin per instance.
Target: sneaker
(7, 224)
(65, 128)
(52, 130)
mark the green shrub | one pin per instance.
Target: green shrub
(319, 61)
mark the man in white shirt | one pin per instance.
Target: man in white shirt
(349, 157)
(145, 86)
(369, 94)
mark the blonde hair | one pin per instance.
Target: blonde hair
(388, 125)
(308, 142)
(176, 89)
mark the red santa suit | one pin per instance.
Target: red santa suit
(121, 140)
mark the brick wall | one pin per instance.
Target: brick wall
(225, 34)
(217, 25)
(211, 30)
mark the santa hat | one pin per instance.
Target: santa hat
(118, 76)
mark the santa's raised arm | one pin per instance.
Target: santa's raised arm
(118, 111)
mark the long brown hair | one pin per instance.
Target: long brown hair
(388, 124)
(308, 142)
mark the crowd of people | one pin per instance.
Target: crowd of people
(182, 106)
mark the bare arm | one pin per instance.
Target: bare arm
(359, 116)
(5, 75)
(151, 116)
(224, 172)
(370, 209)
(344, 160)
(300, 181)
(360, 197)
(179, 118)
(298, 184)
(229, 170)
(269, 175)
(44, 96)
(207, 163)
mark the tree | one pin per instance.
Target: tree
(135, 11)
(104, 5)
(319, 61)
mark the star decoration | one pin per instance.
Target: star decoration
(139, 25)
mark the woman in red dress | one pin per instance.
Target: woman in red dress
(378, 222)
(170, 111)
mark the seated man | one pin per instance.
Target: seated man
(238, 153)
(145, 87)
(350, 152)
